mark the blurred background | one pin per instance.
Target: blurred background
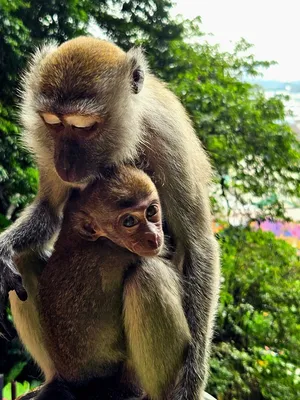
(219, 58)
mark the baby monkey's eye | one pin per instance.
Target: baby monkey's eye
(130, 221)
(151, 211)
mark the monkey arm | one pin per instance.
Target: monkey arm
(156, 329)
(35, 227)
(26, 315)
(183, 174)
(190, 223)
(32, 229)
(40, 220)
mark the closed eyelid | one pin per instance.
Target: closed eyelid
(81, 121)
(51, 119)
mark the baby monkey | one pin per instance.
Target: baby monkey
(109, 303)
(124, 209)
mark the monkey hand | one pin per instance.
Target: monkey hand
(10, 279)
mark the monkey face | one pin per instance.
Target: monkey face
(80, 151)
(140, 231)
(85, 91)
(124, 208)
(73, 145)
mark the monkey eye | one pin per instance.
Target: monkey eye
(52, 121)
(130, 221)
(85, 128)
(151, 211)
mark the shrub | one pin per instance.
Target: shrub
(256, 349)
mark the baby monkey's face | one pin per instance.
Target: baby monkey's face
(135, 224)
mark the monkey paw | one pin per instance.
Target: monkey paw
(10, 279)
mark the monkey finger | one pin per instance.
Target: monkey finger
(21, 292)
(15, 283)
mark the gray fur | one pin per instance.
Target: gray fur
(150, 127)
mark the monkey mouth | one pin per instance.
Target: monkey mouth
(79, 182)
(147, 253)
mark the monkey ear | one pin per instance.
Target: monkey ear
(138, 67)
(137, 80)
(88, 230)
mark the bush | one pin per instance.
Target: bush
(256, 349)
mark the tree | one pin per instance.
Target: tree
(254, 151)
(256, 348)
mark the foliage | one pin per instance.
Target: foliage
(256, 349)
(255, 153)
(227, 112)
(21, 388)
(18, 177)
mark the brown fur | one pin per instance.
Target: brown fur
(127, 183)
(54, 69)
(77, 309)
(155, 326)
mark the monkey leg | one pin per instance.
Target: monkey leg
(156, 329)
(26, 316)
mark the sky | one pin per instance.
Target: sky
(272, 26)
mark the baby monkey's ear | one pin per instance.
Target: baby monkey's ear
(88, 229)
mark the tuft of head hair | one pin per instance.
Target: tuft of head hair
(130, 183)
(83, 68)
(127, 186)
(80, 62)
(29, 77)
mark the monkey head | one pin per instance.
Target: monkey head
(125, 209)
(80, 106)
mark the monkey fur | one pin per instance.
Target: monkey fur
(87, 104)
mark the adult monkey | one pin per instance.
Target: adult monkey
(87, 104)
